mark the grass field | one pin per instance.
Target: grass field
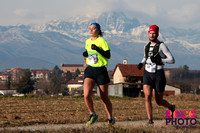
(31, 110)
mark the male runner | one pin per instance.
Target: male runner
(155, 55)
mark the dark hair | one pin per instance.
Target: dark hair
(101, 33)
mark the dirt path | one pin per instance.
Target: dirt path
(79, 126)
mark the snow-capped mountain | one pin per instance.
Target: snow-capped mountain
(62, 41)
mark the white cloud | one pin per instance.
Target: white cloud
(21, 12)
(184, 14)
(144, 7)
(167, 13)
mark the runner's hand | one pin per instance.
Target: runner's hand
(94, 47)
(85, 54)
(139, 66)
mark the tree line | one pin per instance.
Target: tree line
(56, 83)
(187, 80)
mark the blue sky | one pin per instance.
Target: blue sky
(165, 13)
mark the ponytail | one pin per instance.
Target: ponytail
(101, 33)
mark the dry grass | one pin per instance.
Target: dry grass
(29, 110)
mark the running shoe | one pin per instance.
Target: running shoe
(150, 121)
(111, 121)
(92, 119)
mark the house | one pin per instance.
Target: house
(75, 84)
(127, 80)
(130, 77)
(15, 73)
(75, 87)
(123, 71)
(171, 90)
(40, 74)
(124, 89)
(73, 67)
(4, 76)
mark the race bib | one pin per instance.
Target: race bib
(93, 59)
(150, 67)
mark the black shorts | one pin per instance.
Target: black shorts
(156, 80)
(99, 74)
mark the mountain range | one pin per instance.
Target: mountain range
(62, 42)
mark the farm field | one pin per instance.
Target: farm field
(34, 110)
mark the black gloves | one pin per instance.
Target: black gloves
(85, 54)
(156, 60)
(103, 53)
(94, 47)
(139, 66)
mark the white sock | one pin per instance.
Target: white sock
(92, 113)
(110, 118)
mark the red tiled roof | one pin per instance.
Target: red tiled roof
(14, 69)
(18, 68)
(72, 65)
(35, 71)
(130, 70)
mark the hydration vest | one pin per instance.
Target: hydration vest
(155, 51)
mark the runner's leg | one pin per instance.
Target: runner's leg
(88, 86)
(104, 96)
(148, 103)
(160, 101)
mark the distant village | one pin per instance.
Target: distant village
(126, 80)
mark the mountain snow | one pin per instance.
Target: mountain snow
(62, 41)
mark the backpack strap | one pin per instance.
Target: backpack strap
(147, 49)
(155, 49)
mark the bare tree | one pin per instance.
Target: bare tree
(44, 86)
(56, 80)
